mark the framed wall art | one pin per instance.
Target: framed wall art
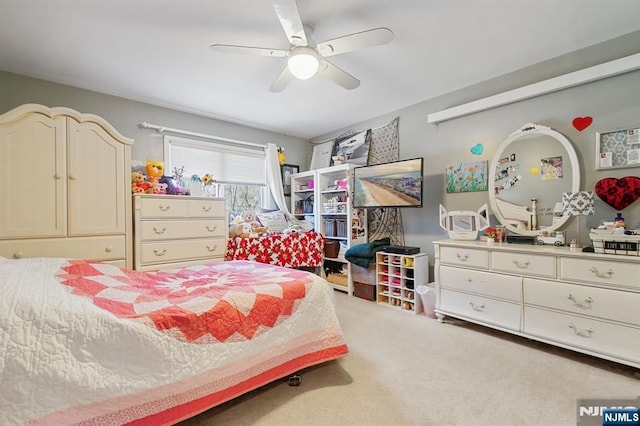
(466, 177)
(618, 149)
(288, 170)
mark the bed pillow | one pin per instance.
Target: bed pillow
(275, 222)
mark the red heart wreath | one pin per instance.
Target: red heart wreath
(619, 193)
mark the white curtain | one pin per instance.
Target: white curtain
(274, 178)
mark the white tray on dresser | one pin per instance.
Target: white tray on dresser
(587, 302)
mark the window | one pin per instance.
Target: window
(239, 171)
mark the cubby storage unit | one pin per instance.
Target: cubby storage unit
(324, 196)
(398, 277)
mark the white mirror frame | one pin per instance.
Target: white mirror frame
(527, 130)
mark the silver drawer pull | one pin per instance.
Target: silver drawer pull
(159, 253)
(211, 229)
(599, 274)
(585, 304)
(582, 333)
(212, 249)
(521, 265)
(206, 208)
(475, 307)
(164, 208)
(159, 231)
(462, 257)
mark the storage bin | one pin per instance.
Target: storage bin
(330, 228)
(331, 249)
(336, 278)
(341, 228)
(609, 242)
(364, 291)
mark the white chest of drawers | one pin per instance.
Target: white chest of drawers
(176, 231)
(582, 301)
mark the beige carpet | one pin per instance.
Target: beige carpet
(406, 369)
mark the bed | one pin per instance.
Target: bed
(90, 342)
(291, 251)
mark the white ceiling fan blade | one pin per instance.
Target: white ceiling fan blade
(348, 43)
(249, 50)
(282, 81)
(337, 75)
(289, 16)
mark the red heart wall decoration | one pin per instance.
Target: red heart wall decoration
(581, 123)
(618, 193)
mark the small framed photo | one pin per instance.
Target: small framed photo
(288, 170)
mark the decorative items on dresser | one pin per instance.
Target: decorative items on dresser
(177, 231)
(587, 302)
(65, 186)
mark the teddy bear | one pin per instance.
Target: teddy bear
(155, 169)
(293, 230)
(139, 184)
(250, 217)
(242, 230)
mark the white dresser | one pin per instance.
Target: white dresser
(582, 301)
(177, 231)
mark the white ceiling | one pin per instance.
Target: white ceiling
(157, 51)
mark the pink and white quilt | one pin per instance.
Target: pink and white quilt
(88, 342)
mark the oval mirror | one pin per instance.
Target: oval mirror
(529, 172)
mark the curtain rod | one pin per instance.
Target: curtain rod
(163, 129)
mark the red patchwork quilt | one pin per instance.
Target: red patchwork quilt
(290, 251)
(202, 304)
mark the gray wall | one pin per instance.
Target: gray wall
(613, 103)
(125, 115)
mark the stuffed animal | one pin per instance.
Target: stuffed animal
(240, 230)
(250, 217)
(293, 229)
(159, 188)
(139, 185)
(155, 169)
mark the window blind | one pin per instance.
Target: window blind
(226, 163)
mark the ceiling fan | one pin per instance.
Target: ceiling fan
(305, 56)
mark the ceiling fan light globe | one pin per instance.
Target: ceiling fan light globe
(303, 64)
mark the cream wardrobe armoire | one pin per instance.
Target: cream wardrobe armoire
(64, 186)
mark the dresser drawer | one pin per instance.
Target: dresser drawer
(465, 257)
(484, 283)
(171, 251)
(489, 311)
(585, 333)
(90, 248)
(151, 230)
(524, 264)
(207, 208)
(598, 302)
(162, 207)
(601, 271)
